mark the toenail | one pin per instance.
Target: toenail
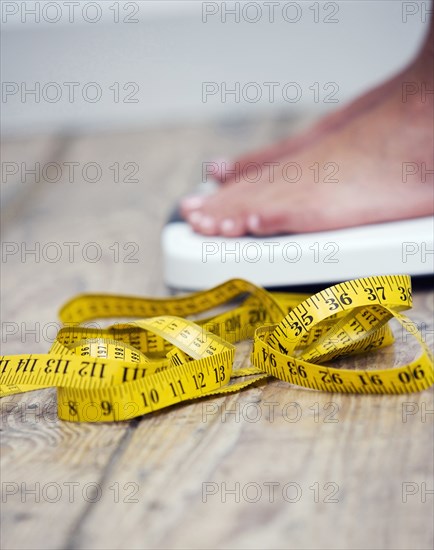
(253, 222)
(195, 218)
(207, 222)
(193, 202)
(227, 226)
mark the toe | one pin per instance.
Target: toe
(232, 227)
(190, 204)
(203, 223)
(268, 223)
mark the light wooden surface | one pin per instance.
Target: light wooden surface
(289, 468)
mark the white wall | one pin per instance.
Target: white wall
(170, 52)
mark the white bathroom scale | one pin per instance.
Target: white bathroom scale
(196, 262)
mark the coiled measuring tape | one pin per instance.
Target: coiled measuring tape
(163, 357)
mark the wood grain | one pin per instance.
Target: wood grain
(274, 466)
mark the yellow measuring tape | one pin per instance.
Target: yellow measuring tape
(163, 358)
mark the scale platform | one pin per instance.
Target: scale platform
(197, 262)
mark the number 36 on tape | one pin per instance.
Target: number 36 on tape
(162, 357)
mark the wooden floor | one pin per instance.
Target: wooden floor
(271, 467)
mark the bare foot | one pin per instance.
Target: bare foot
(372, 164)
(227, 172)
